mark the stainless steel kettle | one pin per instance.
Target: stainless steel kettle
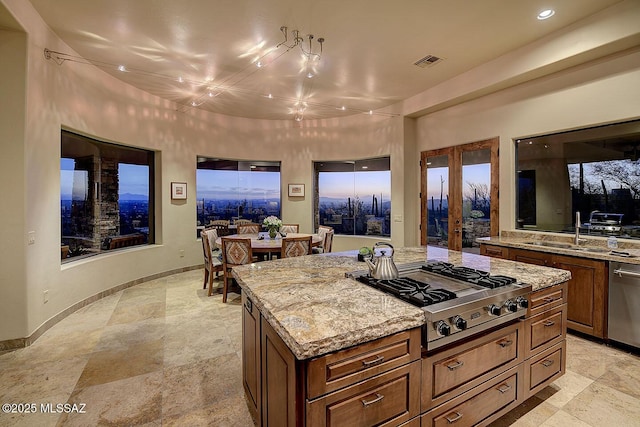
(384, 268)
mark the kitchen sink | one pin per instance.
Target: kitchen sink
(598, 250)
(552, 244)
(568, 246)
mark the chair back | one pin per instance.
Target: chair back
(328, 241)
(206, 249)
(236, 252)
(290, 228)
(221, 226)
(249, 228)
(296, 246)
(242, 221)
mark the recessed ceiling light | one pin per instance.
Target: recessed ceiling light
(545, 14)
(122, 68)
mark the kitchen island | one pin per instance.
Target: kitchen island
(322, 349)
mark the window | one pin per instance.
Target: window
(594, 171)
(106, 196)
(231, 189)
(354, 197)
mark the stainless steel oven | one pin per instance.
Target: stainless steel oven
(624, 303)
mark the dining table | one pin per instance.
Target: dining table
(262, 243)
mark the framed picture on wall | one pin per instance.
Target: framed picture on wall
(296, 190)
(178, 190)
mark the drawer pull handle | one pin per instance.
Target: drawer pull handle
(549, 299)
(549, 323)
(504, 388)
(378, 398)
(453, 366)
(452, 419)
(374, 361)
(546, 363)
(505, 343)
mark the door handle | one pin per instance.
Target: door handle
(378, 398)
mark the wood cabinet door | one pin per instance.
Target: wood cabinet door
(251, 355)
(586, 294)
(282, 396)
(530, 257)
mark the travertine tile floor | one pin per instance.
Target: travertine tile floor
(163, 353)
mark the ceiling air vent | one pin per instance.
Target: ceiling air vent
(427, 61)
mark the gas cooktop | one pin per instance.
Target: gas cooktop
(458, 301)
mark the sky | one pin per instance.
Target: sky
(480, 174)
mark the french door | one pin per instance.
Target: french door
(459, 195)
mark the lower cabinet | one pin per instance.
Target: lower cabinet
(387, 399)
(390, 382)
(587, 290)
(481, 405)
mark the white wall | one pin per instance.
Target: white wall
(588, 95)
(86, 100)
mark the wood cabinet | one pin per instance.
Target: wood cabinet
(387, 399)
(451, 372)
(281, 377)
(587, 290)
(494, 251)
(587, 294)
(481, 405)
(545, 332)
(251, 356)
(375, 383)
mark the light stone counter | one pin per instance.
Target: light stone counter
(316, 310)
(534, 241)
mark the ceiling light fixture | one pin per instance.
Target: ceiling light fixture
(546, 14)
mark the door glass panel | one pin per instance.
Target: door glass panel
(476, 198)
(437, 200)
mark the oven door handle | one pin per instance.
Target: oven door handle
(620, 272)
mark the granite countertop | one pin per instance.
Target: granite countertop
(594, 247)
(317, 310)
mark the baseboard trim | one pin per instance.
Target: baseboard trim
(17, 343)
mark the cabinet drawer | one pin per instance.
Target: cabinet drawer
(462, 367)
(494, 251)
(451, 372)
(334, 371)
(545, 329)
(547, 298)
(544, 368)
(481, 404)
(389, 399)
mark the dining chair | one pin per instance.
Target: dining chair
(322, 232)
(296, 246)
(242, 221)
(328, 242)
(212, 257)
(234, 252)
(249, 228)
(289, 228)
(221, 225)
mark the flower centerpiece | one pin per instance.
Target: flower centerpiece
(273, 224)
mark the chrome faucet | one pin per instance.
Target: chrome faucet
(577, 239)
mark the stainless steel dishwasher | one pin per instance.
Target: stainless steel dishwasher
(624, 303)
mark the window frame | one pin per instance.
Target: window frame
(354, 166)
(79, 147)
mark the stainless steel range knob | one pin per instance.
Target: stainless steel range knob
(443, 328)
(459, 323)
(494, 309)
(522, 302)
(511, 306)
